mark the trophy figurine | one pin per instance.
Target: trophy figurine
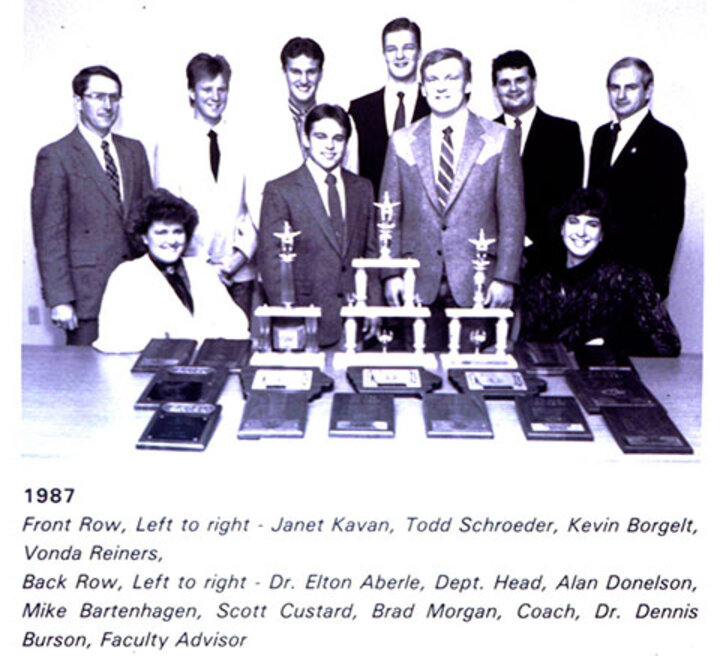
(287, 334)
(385, 224)
(480, 264)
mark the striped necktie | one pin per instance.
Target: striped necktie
(446, 169)
(111, 170)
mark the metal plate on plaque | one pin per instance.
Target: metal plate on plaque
(308, 380)
(595, 357)
(456, 415)
(161, 353)
(496, 384)
(274, 414)
(180, 427)
(545, 358)
(645, 430)
(552, 418)
(183, 384)
(233, 354)
(399, 381)
(609, 388)
(362, 415)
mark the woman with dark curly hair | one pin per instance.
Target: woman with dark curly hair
(585, 297)
(161, 294)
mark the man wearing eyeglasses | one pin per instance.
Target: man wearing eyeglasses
(85, 185)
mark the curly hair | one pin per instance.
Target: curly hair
(160, 205)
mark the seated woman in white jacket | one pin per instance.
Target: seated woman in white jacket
(161, 294)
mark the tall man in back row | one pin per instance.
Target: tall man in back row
(550, 149)
(454, 173)
(84, 188)
(399, 103)
(641, 164)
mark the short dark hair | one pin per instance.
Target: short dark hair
(512, 59)
(203, 65)
(300, 45)
(80, 81)
(400, 24)
(626, 62)
(335, 112)
(435, 56)
(589, 201)
(160, 205)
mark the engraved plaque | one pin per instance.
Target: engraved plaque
(400, 381)
(456, 415)
(609, 388)
(233, 354)
(546, 358)
(645, 430)
(161, 353)
(180, 427)
(552, 418)
(274, 414)
(362, 415)
(184, 384)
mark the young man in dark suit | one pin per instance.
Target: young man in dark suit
(397, 104)
(333, 211)
(550, 148)
(85, 185)
(641, 164)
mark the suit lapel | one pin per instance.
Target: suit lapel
(421, 146)
(310, 194)
(352, 210)
(92, 167)
(469, 152)
(635, 141)
(126, 169)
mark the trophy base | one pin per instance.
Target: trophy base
(478, 361)
(344, 359)
(291, 359)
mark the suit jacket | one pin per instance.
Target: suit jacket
(322, 268)
(140, 304)
(646, 189)
(487, 193)
(553, 167)
(369, 115)
(78, 223)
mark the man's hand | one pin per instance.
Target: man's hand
(499, 294)
(371, 327)
(395, 291)
(63, 316)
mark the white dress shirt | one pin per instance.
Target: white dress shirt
(391, 100)
(526, 121)
(627, 129)
(95, 142)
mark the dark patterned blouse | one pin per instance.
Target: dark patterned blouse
(598, 298)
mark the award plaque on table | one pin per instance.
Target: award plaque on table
(398, 381)
(552, 418)
(456, 415)
(309, 381)
(645, 430)
(180, 427)
(165, 352)
(496, 384)
(599, 357)
(362, 415)
(544, 358)
(274, 414)
(233, 354)
(609, 388)
(183, 384)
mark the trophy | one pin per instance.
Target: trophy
(287, 334)
(498, 358)
(358, 308)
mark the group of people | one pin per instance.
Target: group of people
(125, 256)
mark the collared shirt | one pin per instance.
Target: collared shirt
(627, 129)
(95, 143)
(458, 123)
(390, 98)
(319, 175)
(526, 121)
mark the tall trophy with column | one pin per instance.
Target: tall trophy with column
(359, 310)
(492, 357)
(287, 333)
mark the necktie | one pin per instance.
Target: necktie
(612, 141)
(518, 133)
(299, 117)
(400, 112)
(446, 169)
(214, 154)
(336, 218)
(111, 170)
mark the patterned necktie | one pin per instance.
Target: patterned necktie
(111, 170)
(214, 154)
(400, 112)
(446, 169)
(336, 217)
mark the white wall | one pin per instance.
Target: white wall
(572, 44)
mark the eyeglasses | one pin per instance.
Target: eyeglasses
(98, 96)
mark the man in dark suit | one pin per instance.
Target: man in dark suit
(396, 105)
(333, 211)
(550, 148)
(85, 185)
(641, 164)
(454, 173)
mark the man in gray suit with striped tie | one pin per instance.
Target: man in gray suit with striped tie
(454, 173)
